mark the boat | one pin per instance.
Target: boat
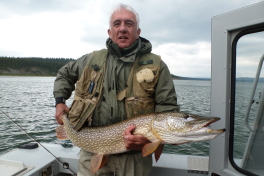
(231, 71)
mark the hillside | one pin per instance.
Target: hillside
(36, 66)
(31, 66)
(190, 78)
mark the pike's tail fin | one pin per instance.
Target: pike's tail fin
(61, 132)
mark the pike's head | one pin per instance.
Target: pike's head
(179, 128)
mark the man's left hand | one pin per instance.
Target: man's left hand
(134, 142)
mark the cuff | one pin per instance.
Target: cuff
(59, 100)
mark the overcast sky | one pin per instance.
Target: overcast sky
(179, 30)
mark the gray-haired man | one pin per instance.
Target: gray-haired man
(108, 78)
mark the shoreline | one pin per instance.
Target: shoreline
(28, 75)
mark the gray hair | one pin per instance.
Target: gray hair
(120, 6)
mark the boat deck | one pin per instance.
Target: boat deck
(38, 161)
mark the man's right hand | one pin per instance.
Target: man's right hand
(61, 108)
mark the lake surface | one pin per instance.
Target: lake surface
(29, 102)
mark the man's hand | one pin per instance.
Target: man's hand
(134, 142)
(60, 109)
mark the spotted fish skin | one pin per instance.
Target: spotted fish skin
(158, 128)
(108, 139)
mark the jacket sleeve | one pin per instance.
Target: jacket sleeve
(165, 94)
(67, 76)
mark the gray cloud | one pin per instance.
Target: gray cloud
(183, 21)
(29, 7)
(249, 51)
(72, 28)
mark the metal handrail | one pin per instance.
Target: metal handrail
(253, 93)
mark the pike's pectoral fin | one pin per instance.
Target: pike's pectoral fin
(61, 132)
(158, 152)
(150, 148)
(97, 161)
(104, 161)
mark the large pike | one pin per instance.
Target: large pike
(158, 128)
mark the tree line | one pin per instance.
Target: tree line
(51, 65)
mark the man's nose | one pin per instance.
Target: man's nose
(123, 28)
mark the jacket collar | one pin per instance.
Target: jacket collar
(141, 45)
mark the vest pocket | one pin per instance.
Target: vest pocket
(135, 107)
(78, 112)
(145, 81)
(87, 84)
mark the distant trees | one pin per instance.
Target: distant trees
(50, 65)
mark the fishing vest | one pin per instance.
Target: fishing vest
(138, 95)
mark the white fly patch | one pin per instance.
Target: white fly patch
(145, 75)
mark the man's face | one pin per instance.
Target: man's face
(123, 28)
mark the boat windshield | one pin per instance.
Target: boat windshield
(248, 103)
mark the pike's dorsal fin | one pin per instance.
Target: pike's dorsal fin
(158, 151)
(97, 161)
(150, 148)
(61, 132)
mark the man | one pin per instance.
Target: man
(113, 85)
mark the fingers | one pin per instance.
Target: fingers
(134, 142)
(60, 109)
(130, 129)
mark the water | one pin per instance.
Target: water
(29, 102)
(193, 97)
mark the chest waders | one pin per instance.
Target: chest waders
(138, 95)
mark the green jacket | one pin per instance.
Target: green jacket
(119, 64)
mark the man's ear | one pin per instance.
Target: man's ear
(109, 32)
(138, 31)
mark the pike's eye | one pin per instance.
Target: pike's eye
(186, 116)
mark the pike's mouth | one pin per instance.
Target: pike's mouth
(206, 128)
(209, 130)
(212, 121)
